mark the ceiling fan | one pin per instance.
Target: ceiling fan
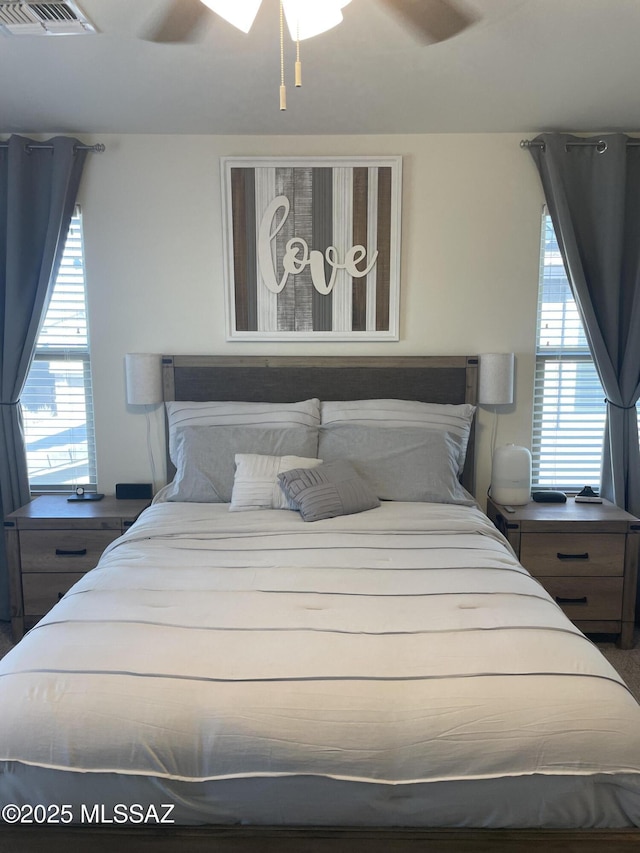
(430, 21)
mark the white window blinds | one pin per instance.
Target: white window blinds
(569, 408)
(57, 399)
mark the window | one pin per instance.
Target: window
(57, 399)
(569, 409)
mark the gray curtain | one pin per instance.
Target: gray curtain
(593, 195)
(38, 188)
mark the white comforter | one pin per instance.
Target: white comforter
(402, 645)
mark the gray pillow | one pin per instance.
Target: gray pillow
(183, 413)
(327, 491)
(205, 456)
(454, 419)
(401, 464)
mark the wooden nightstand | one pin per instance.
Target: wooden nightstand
(584, 554)
(52, 542)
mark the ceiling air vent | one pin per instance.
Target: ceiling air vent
(43, 19)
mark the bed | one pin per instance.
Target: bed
(314, 639)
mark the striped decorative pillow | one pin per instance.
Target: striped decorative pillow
(256, 485)
(224, 413)
(455, 420)
(330, 490)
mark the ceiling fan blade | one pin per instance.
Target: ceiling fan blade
(180, 22)
(431, 20)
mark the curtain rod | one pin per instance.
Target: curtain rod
(98, 148)
(601, 144)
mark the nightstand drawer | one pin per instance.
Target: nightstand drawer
(42, 590)
(587, 598)
(550, 554)
(63, 550)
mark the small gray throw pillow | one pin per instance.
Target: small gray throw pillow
(327, 491)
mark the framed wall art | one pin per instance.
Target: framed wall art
(312, 247)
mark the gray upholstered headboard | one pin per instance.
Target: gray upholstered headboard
(285, 379)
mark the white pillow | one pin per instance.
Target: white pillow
(454, 419)
(183, 413)
(256, 485)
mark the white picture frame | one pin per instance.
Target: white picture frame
(312, 248)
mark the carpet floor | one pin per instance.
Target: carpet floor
(626, 662)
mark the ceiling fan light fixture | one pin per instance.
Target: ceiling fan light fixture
(240, 13)
(306, 19)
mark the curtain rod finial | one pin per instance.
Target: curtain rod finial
(531, 143)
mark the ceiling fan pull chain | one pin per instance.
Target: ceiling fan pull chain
(298, 66)
(283, 88)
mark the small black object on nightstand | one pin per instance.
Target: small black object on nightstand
(588, 496)
(134, 491)
(549, 496)
(80, 495)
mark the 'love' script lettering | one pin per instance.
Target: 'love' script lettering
(298, 256)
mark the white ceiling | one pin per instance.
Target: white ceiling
(527, 65)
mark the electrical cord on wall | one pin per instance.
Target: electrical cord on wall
(152, 463)
(494, 431)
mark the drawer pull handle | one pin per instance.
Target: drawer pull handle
(62, 552)
(561, 600)
(561, 556)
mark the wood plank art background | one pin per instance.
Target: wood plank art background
(312, 248)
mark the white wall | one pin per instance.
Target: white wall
(152, 217)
